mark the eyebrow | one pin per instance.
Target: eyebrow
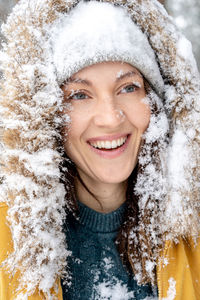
(88, 83)
(78, 80)
(128, 74)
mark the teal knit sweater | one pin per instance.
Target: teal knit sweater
(95, 266)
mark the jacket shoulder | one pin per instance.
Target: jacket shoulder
(5, 234)
(178, 270)
(9, 282)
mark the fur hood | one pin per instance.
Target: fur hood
(30, 102)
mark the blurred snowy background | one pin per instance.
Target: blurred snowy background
(5, 8)
(186, 14)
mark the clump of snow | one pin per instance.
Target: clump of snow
(191, 133)
(181, 22)
(171, 292)
(165, 261)
(107, 263)
(184, 48)
(108, 291)
(149, 266)
(178, 160)
(119, 74)
(137, 84)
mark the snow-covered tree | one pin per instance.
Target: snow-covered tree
(186, 14)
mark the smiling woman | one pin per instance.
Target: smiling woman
(108, 118)
(100, 108)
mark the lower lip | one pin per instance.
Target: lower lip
(113, 152)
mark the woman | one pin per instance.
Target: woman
(100, 154)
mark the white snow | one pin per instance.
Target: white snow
(171, 293)
(181, 22)
(112, 289)
(184, 48)
(119, 74)
(179, 156)
(149, 266)
(108, 291)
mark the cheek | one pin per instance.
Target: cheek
(74, 129)
(146, 116)
(71, 144)
(139, 115)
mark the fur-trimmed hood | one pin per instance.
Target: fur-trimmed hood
(30, 103)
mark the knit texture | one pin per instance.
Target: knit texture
(95, 265)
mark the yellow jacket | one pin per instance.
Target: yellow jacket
(178, 271)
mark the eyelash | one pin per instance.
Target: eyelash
(127, 86)
(74, 93)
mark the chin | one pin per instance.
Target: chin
(116, 178)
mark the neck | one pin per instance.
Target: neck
(103, 197)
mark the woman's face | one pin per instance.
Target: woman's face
(108, 118)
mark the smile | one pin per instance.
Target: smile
(109, 144)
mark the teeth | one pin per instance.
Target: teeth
(109, 144)
(119, 142)
(114, 144)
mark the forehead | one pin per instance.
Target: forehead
(115, 70)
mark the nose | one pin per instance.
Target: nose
(108, 114)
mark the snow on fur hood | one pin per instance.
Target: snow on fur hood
(31, 100)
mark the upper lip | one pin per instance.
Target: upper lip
(108, 137)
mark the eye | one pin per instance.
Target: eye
(79, 95)
(128, 89)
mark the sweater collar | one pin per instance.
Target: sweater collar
(101, 222)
